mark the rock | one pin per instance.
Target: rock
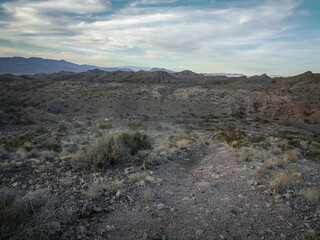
(118, 194)
(205, 184)
(96, 209)
(311, 234)
(130, 199)
(86, 210)
(233, 211)
(282, 236)
(199, 232)
(261, 187)
(161, 206)
(109, 228)
(82, 229)
(54, 227)
(287, 195)
(143, 166)
(185, 199)
(145, 236)
(128, 170)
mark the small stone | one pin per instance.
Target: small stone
(86, 210)
(311, 234)
(96, 209)
(82, 229)
(222, 237)
(109, 228)
(130, 199)
(118, 194)
(54, 227)
(161, 206)
(199, 232)
(144, 236)
(287, 195)
(128, 170)
(282, 236)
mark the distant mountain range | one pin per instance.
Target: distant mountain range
(33, 65)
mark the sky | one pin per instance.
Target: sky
(277, 37)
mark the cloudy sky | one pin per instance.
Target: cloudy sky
(233, 36)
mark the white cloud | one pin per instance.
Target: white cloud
(151, 2)
(179, 35)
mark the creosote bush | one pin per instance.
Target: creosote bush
(135, 142)
(105, 151)
(231, 135)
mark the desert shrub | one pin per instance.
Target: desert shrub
(291, 156)
(105, 126)
(280, 181)
(4, 155)
(314, 154)
(18, 214)
(113, 186)
(62, 128)
(41, 130)
(231, 135)
(134, 125)
(33, 154)
(23, 122)
(51, 146)
(312, 194)
(280, 162)
(257, 138)
(102, 153)
(48, 155)
(137, 141)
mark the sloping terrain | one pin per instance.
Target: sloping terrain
(231, 158)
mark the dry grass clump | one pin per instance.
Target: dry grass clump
(181, 141)
(102, 153)
(261, 170)
(312, 194)
(93, 190)
(137, 177)
(34, 153)
(113, 186)
(280, 162)
(292, 156)
(261, 154)
(48, 155)
(268, 164)
(19, 215)
(147, 195)
(280, 181)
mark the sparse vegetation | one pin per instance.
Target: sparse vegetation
(136, 142)
(280, 181)
(105, 151)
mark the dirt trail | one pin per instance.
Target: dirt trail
(210, 199)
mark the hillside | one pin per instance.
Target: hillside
(157, 155)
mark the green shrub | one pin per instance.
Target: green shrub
(105, 126)
(231, 135)
(51, 146)
(62, 128)
(137, 141)
(23, 122)
(102, 153)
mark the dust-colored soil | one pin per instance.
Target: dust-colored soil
(219, 147)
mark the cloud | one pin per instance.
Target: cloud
(151, 2)
(167, 35)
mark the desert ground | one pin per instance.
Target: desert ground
(123, 155)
